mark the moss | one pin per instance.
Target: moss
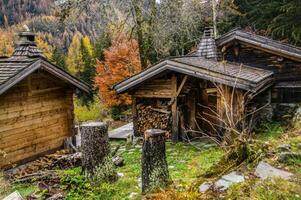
(270, 189)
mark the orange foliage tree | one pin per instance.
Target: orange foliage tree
(121, 61)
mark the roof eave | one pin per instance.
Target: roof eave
(240, 35)
(43, 64)
(135, 80)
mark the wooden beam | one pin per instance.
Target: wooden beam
(175, 123)
(135, 116)
(181, 85)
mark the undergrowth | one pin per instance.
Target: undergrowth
(94, 111)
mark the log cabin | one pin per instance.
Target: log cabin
(36, 104)
(239, 76)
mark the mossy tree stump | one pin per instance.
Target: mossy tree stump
(97, 163)
(154, 165)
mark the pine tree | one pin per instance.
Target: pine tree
(87, 54)
(279, 19)
(74, 60)
(58, 58)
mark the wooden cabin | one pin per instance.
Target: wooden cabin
(254, 74)
(36, 104)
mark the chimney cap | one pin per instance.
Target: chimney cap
(26, 46)
(26, 38)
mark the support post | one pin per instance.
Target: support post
(135, 116)
(154, 165)
(174, 112)
(96, 159)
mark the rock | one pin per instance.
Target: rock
(14, 196)
(120, 174)
(118, 161)
(57, 196)
(132, 195)
(264, 171)
(284, 157)
(227, 180)
(205, 186)
(208, 146)
(284, 148)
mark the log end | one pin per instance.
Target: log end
(154, 133)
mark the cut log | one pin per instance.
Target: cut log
(96, 161)
(154, 165)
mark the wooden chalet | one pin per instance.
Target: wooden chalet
(36, 104)
(265, 71)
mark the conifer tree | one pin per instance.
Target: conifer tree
(74, 60)
(58, 58)
(88, 58)
(45, 47)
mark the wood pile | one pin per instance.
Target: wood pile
(150, 117)
(59, 160)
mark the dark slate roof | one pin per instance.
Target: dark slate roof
(268, 44)
(238, 76)
(26, 59)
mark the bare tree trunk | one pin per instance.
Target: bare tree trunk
(96, 161)
(154, 166)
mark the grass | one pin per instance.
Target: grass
(185, 162)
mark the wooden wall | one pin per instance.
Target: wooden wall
(36, 115)
(284, 68)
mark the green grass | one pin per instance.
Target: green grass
(185, 162)
(270, 131)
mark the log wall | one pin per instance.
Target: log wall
(285, 69)
(36, 115)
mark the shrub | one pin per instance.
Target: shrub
(94, 111)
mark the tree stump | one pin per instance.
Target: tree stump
(154, 166)
(97, 163)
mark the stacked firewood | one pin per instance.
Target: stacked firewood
(153, 118)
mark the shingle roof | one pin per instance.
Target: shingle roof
(8, 69)
(26, 59)
(207, 47)
(239, 76)
(253, 75)
(261, 42)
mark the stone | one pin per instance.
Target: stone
(132, 195)
(227, 180)
(208, 146)
(264, 171)
(284, 157)
(205, 186)
(14, 196)
(120, 174)
(118, 161)
(284, 148)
